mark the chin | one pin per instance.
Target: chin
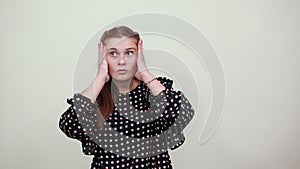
(121, 78)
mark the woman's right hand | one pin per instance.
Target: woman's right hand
(93, 90)
(103, 65)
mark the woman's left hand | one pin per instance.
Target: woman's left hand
(143, 74)
(142, 70)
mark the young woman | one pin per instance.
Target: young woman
(127, 117)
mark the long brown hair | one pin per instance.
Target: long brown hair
(106, 97)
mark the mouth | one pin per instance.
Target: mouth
(121, 71)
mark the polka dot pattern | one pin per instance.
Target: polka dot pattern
(138, 134)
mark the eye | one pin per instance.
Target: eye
(113, 53)
(130, 53)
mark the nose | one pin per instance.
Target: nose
(122, 60)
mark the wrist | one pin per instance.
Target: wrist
(147, 76)
(100, 78)
(148, 82)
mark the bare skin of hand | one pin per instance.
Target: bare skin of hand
(103, 65)
(141, 65)
(144, 74)
(93, 90)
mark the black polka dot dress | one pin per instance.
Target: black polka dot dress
(138, 134)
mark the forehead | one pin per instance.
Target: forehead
(121, 43)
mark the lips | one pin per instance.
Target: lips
(121, 70)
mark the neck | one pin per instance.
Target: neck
(126, 86)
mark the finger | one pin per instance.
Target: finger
(104, 62)
(140, 47)
(101, 51)
(141, 52)
(104, 51)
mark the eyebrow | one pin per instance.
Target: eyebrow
(125, 49)
(130, 49)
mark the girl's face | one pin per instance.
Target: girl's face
(121, 56)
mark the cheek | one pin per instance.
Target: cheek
(133, 64)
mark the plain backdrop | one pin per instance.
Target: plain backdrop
(258, 45)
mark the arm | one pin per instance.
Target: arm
(172, 107)
(71, 126)
(101, 78)
(174, 111)
(73, 122)
(144, 74)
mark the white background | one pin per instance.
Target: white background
(258, 45)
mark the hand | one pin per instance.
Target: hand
(103, 65)
(141, 65)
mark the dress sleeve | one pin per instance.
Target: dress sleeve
(70, 124)
(175, 112)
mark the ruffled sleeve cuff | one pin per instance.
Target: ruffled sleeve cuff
(85, 110)
(175, 113)
(162, 99)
